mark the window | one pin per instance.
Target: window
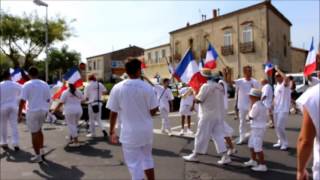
(284, 45)
(247, 33)
(176, 47)
(163, 52)
(227, 38)
(94, 65)
(157, 57)
(149, 56)
(191, 43)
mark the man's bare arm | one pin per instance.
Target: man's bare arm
(153, 111)
(113, 121)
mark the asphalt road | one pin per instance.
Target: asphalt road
(96, 159)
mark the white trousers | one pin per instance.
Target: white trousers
(208, 129)
(93, 118)
(72, 123)
(138, 159)
(243, 125)
(165, 118)
(9, 116)
(280, 120)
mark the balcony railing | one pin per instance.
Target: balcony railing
(227, 50)
(247, 47)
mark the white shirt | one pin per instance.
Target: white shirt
(163, 96)
(188, 100)
(314, 81)
(9, 94)
(310, 100)
(133, 99)
(225, 97)
(259, 116)
(37, 94)
(282, 98)
(211, 97)
(91, 91)
(244, 87)
(268, 93)
(72, 103)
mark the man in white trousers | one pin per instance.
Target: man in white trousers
(211, 117)
(93, 93)
(9, 96)
(135, 102)
(244, 85)
(36, 94)
(266, 98)
(281, 104)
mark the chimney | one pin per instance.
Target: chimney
(214, 13)
(188, 24)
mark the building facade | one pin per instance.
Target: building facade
(157, 59)
(109, 65)
(250, 36)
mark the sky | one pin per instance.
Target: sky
(105, 25)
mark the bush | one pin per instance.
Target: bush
(109, 86)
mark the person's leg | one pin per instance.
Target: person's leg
(162, 115)
(229, 142)
(183, 117)
(69, 125)
(92, 117)
(166, 120)
(276, 117)
(253, 154)
(189, 122)
(148, 164)
(260, 157)
(36, 142)
(202, 136)
(242, 125)
(282, 129)
(13, 118)
(133, 158)
(4, 128)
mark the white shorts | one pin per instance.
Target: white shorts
(185, 110)
(256, 139)
(138, 159)
(35, 120)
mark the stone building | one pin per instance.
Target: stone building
(298, 59)
(248, 36)
(108, 65)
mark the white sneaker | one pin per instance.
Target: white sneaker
(260, 168)
(163, 131)
(251, 162)
(277, 145)
(239, 142)
(90, 135)
(189, 131)
(232, 151)
(192, 158)
(181, 133)
(224, 160)
(283, 148)
(169, 132)
(36, 159)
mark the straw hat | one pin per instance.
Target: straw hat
(206, 72)
(255, 92)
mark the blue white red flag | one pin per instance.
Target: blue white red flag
(211, 58)
(268, 69)
(311, 63)
(73, 76)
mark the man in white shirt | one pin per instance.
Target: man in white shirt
(211, 116)
(93, 93)
(135, 102)
(266, 98)
(36, 93)
(281, 104)
(9, 96)
(165, 97)
(244, 85)
(310, 133)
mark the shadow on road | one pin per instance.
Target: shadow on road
(164, 153)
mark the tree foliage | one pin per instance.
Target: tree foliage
(25, 36)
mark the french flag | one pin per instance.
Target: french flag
(268, 69)
(19, 75)
(73, 76)
(311, 63)
(188, 72)
(211, 58)
(201, 64)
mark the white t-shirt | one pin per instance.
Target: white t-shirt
(282, 98)
(314, 81)
(9, 94)
(188, 100)
(133, 99)
(72, 103)
(211, 97)
(311, 101)
(225, 97)
(268, 93)
(259, 116)
(244, 87)
(163, 96)
(37, 94)
(91, 91)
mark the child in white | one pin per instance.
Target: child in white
(266, 98)
(185, 109)
(258, 117)
(72, 110)
(164, 96)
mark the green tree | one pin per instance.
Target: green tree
(25, 36)
(4, 64)
(60, 60)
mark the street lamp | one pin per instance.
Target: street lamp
(41, 3)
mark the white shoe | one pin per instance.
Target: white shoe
(260, 168)
(36, 159)
(169, 132)
(192, 158)
(239, 142)
(224, 160)
(189, 131)
(163, 131)
(90, 135)
(251, 162)
(283, 148)
(232, 151)
(277, 145)
(181, 133)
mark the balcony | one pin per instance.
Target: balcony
(227, 50)
(247, 47)
(177, 57)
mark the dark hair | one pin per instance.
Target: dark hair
(165, 80)
(92, 77)
(247, 67)
(33, 72)
(133, 66)
(6, 74)
(290, 77)
(72, 89)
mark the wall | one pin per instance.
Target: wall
(298, 59)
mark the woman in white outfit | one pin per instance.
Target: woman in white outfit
(71, 99)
